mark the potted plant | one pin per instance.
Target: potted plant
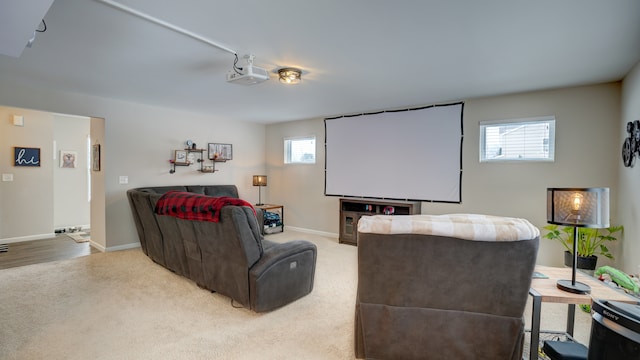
(590, 242)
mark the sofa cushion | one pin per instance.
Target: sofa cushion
(461, 226)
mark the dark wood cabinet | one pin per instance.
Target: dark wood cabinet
(351, 210)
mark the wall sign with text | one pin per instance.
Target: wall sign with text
(26, 156)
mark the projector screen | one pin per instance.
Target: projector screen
(413, 154)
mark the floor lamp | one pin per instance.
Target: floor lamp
(577, 207)
(259, 181)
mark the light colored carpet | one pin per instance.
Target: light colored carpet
(121, 305)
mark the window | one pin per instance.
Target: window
(301, 150)
(518, 140)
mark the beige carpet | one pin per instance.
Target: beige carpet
(121, 305)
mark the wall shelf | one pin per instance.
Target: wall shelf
(196, 156)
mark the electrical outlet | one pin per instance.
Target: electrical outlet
(123, 179)
(7, 177)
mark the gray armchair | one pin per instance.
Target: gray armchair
(429, 296)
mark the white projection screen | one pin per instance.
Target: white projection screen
(413, 154)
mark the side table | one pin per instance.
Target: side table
(545, 290)
(273, 227)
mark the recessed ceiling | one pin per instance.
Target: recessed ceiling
(356, 56)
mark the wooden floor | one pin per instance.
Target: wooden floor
(39, 251)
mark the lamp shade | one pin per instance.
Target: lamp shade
(259, 180)
(578, 207)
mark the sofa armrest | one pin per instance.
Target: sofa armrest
(283, 274)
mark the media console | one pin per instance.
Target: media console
(352, 209)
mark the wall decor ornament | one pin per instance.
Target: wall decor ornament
(631, 144)
(220, 152)
(95, 157)
(26, 156)
(180, 158)
(68, 159)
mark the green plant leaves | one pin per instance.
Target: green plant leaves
(590, 240)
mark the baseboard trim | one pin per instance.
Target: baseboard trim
(67, 229)
(293, 228)
(27, 238)
(313, 232)
(97, 246)
(122, 247)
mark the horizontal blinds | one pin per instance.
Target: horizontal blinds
(527, 140)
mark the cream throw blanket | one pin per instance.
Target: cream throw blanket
(463, 226)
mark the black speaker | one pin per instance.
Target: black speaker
(615, 331)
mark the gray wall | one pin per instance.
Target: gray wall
(587, 152)
(139, 141)
(629, 199)
(26, 203)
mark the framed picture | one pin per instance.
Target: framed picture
(95, 157)
(180, 157)
(220, 152)
(26, 156)
(68, 159)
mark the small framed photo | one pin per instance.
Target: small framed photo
(180, 157)
(95, 157)
(68, 159)
(23, 156)
(220, 152)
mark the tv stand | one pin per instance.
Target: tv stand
(351, 209)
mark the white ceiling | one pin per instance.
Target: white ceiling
(18, 21)
(357, 55)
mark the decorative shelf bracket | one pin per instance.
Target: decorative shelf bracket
(188, 155)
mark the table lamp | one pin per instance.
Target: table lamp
(577, 207)
(260, 181)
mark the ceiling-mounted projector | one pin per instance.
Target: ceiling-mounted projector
(247, 75)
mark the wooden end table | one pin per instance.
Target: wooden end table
(545, 290)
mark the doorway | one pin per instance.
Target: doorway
(65, 190)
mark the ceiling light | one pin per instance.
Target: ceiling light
(290, 76)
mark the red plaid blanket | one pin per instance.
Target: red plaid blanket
(190, 206)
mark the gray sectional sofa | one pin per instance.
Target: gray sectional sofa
(231, 256)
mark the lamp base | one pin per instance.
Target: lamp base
(259, 204)
(577, 288)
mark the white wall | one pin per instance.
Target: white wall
(70, 185)
(138, 143)
(629, 199)
(586, 146)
